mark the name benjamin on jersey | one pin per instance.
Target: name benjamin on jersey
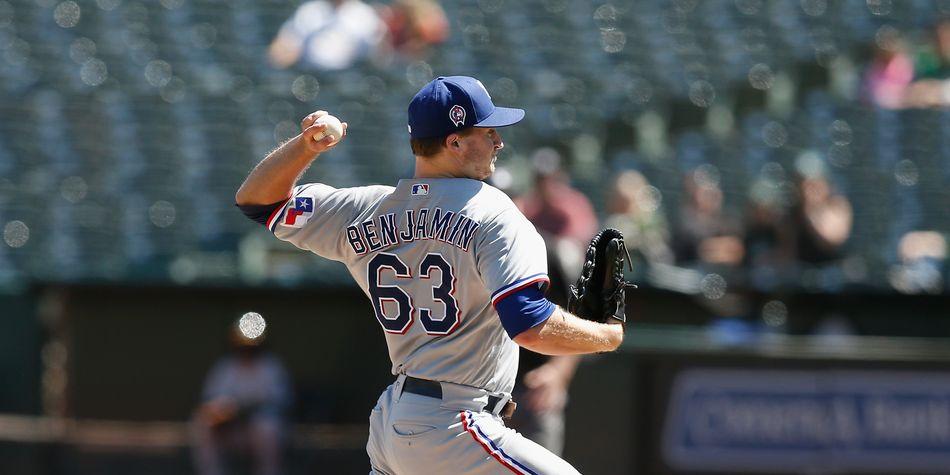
(382, 231)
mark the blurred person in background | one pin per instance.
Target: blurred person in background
(415, 26)
(330, 35)
(542, 393)
(244, 400)
(710, 239)
(768, 236)
(821, 219)
(933, 61)
(565, 219)
(891, 70)
(633, 207)
(562, 214)
(705, 234)
(931, 87)
(922, 257)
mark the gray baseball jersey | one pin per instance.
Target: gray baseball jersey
(432, 255)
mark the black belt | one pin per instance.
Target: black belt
(433, 389)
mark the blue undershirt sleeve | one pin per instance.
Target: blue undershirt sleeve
(523, 309)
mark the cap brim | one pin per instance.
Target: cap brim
(501, 117)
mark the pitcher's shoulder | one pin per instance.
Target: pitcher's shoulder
(493, 199)
(377, 189)
(369, 193)
(364, 190)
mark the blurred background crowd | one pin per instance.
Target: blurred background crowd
(795, 143)
(754, 153)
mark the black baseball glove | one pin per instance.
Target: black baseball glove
(599, 293)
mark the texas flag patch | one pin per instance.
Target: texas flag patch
(299, 213)
(420, 189)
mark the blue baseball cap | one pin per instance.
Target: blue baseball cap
(451, 103)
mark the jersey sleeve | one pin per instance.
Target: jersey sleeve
(511, 255)
(316, 216)
(523, 309)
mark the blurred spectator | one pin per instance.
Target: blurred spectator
(922, 257)
(822, 220)
(890, 72)
(705, 233)
(244, 400)
(415, 26)
(542, 395)
(329, 35)
(563, 215)
(634, 209)
(768, 235)
(933, 62)
(931, 87)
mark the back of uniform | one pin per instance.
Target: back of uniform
(430, 254)
(433, 255)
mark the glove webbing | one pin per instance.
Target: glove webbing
(617, 297)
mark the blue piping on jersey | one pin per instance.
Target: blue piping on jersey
(517, 285)
(277, 216)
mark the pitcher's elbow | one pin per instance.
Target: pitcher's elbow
(243, 197)
(615, 337)
(528, 339)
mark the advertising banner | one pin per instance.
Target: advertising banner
(733, 420)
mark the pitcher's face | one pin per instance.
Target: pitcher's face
(480, 150)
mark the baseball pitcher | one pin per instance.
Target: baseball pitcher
(455, 275)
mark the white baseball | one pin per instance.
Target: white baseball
(334, 128)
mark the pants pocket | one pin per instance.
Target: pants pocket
(406, 429)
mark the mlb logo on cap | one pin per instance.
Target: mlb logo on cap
(420, 189)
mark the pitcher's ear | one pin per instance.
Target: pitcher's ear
(452, 140)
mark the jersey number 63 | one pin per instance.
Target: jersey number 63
(442, 291)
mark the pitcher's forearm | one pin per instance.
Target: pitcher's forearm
(566, 334)
(274, 177)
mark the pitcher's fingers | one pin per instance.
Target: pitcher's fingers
(310, 132)
(332, 143)
(326, 143)
(315, 127)
(311, 118)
